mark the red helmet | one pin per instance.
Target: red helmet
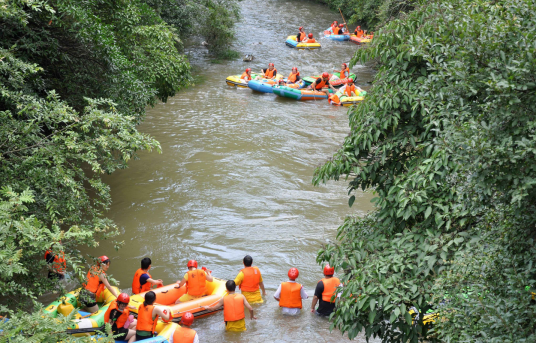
(248, 70)
(359, 27)
(301, 28)
(325, 75)
(103, 259)
(270, 64)
(187, 318)
(293, 273)
(350, 80)
(341, 25)
(310, 35)
(335, 22)
(123, 298)
(329, 270)
(192, 263)
(345, 65)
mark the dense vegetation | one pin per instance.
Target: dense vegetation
(370, 14)
(446, 141)
(75, 79)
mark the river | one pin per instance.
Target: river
(234, 176)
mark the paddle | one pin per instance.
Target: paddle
(347, 29)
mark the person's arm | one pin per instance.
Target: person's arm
(277, 293)
(182, 282)
(303, 293)
(249, 308)
(313, 304)
(104, 280)
(209, 277)
(196, 338)
(261, 285)
(163, 313)
(155, 282)
(213, 307)
(318, 294)
(312, 85)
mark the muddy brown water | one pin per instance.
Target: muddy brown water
(234, 176)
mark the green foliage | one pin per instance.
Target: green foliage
(213, 19)
(120, 50)
(370, 14)
(446, 141)
(75, 79)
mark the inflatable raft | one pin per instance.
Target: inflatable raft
(340, 99)
(167, 296)
(166, 334)
(266, 86)
(84, 323)
(300, 94)
(359, 40)
(337, 82)
(340, 38)
(291, 42)
(235, 80)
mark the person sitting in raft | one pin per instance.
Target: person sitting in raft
(118, 316)
(269, 73)
(344, 72)
(143, 281)
(290, 294)
(333, 26)
(358, 32)
(350, 89)
(233, 308)
(184, 333)
(311, 39)
(322, 82)
(339, 30)
(325, 293)
(301, 35)
(249, 280)
(246, 76)
(56, 262)
(95, 284)
(195, 280)
(148, 315)
(294, 76)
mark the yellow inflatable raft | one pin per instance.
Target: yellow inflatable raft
(167, 296)
(291, 42)
(85, 323)
(235, 80)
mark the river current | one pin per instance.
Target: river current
(234, 176)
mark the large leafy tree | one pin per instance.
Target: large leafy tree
(446, 142)
(75, 79)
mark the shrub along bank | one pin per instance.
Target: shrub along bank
(446, 141)
(369, 14)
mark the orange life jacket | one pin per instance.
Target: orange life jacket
(59, 265)
(321, 85)
(290, 295)
(301, 36)
(252, 278)
(145, 318)
(184, 335)
(136, 286)
(245, 76)
(93, 283)
(336, 30)
(359, 33)
(121, 320)
(196, 282)
(347, 70)
(311, 40)
(349, 89)
(233, 307)
(330, 286)
(292, 77)
(269, 73)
